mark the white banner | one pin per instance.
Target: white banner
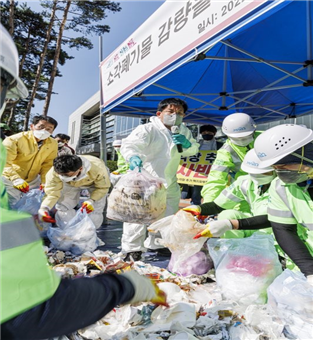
(175, 29)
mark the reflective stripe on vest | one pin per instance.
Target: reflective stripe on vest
(220, 168)
(280, 189)
(20, 233)
(234, 155)
(244, 187)
(231, 196)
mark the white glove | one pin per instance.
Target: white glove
(310, 280)
(43, 215)
(219, 227)
(145, 289)
(21, 185)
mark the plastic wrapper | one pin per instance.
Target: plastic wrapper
(138, 197)
(245, 267)
(114, 178)
(30, 202)
(177, 232)
(197, 264)
(78, 236)
(291, 298)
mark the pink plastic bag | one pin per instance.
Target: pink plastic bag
(198, 264)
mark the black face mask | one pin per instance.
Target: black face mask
(208, 137)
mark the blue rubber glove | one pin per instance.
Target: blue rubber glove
(182, 140)
(135, 161)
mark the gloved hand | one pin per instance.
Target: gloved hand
(310, 280)
(135, 161)
(193, 209)
(215, 229)
(42, 186)
(43, 215)
(88, 205)
(21, 185)
(146, 290)
(182, 140)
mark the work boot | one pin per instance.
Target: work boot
(164, 252)
(133, 256)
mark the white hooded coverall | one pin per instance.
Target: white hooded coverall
(152, 142)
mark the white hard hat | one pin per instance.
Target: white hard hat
(238, 125)
(280, 141)
(9, 62)
(117, 143)
(251, 163)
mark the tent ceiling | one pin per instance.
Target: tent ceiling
(263, 69)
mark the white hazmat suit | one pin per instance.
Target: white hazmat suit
(152, 142)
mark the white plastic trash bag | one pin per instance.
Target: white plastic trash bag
(30, 202)
(78, 236)
(138, 197)
(177, 232)
(244, 268)
(291, 298)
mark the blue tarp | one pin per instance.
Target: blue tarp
(263, 69)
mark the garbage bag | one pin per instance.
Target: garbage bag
(177, 232)
(30, 202)
(138, 197)
(291, 298)
(197, 264)
(244, 268)
(78, 236)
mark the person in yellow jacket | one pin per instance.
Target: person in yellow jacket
(30, 155)
(240, 130)
(64, 181)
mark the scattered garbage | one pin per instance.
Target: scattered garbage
(137, 197)
(198, 309)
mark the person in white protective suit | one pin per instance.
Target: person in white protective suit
(154, 147)
(64, 182)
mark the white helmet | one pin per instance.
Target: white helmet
(117, 143)
(238, 125)
(280, 141)
(9, 62)
(251, 163)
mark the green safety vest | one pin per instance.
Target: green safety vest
(290, 204)
(225, 169)
(26, 280)
(244, 189)
(122, 165)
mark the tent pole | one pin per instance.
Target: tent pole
(309, 40)
(102, 117)
(223, 93)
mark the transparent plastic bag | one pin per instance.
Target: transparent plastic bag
(291, 298)
(78, 236)
(177, 232)
(30, 202)
(245, 267)
(138, 197)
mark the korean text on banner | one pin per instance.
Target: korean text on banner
(194, 170)
(174, 30)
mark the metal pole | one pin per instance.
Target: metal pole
(102, 117)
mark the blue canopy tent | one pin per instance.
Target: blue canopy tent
(263, 69)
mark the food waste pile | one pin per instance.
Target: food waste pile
(197, 310)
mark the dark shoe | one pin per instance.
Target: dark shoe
(133, 256)
(164, 252)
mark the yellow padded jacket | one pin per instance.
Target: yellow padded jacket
(25, 160)
(97, 177)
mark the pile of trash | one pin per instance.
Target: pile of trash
(198, 309)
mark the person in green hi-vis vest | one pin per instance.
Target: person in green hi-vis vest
(35, 303)
(288, 148)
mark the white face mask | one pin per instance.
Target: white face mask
(117, 149)
(60, 144)
(262, 179)
(171, 120)
(41, 134)
(241, 141)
